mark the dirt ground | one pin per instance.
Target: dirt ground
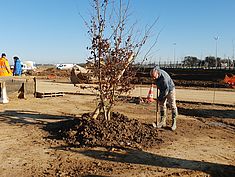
(202, 145)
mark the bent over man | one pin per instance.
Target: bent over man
(166, 87)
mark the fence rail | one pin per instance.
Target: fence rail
(180, 65)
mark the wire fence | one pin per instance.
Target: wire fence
(179, 64)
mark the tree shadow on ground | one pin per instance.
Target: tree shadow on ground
(94, 176)
(146, 158)
(207, 113)
(30, 117)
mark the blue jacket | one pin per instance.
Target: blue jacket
(164, 83)
(17, 68)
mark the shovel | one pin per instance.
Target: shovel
(156, 124)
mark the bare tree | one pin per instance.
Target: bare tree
(114, 47)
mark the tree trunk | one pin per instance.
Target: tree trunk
(96, 112)
(130, 59)
(102, 109)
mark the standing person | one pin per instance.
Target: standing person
(17, 71)
(167, 94)
(5, 69)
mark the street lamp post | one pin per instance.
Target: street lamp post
(174, 52)
(233, 49)
(232, 63)
(216, 38)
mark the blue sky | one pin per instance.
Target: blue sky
(51, 31)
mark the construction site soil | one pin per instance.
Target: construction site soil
(210, 78)
(56, 137)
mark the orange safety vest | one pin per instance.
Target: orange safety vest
(5, 69)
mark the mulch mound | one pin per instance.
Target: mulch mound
(52, 73)
(197, 83)
(119, 132)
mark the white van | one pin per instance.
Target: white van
(65, 66)
(28, 66)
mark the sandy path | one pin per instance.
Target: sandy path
(23, 151)
(182, 94)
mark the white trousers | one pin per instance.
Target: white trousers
(169, 100)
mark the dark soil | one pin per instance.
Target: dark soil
(197, 83)
(190, 77)
(119, 132)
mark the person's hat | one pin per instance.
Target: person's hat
(15, 58)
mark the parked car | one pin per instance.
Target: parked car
(64, 66)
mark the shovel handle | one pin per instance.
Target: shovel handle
(157, 109)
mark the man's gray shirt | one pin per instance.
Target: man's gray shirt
(164, 83)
